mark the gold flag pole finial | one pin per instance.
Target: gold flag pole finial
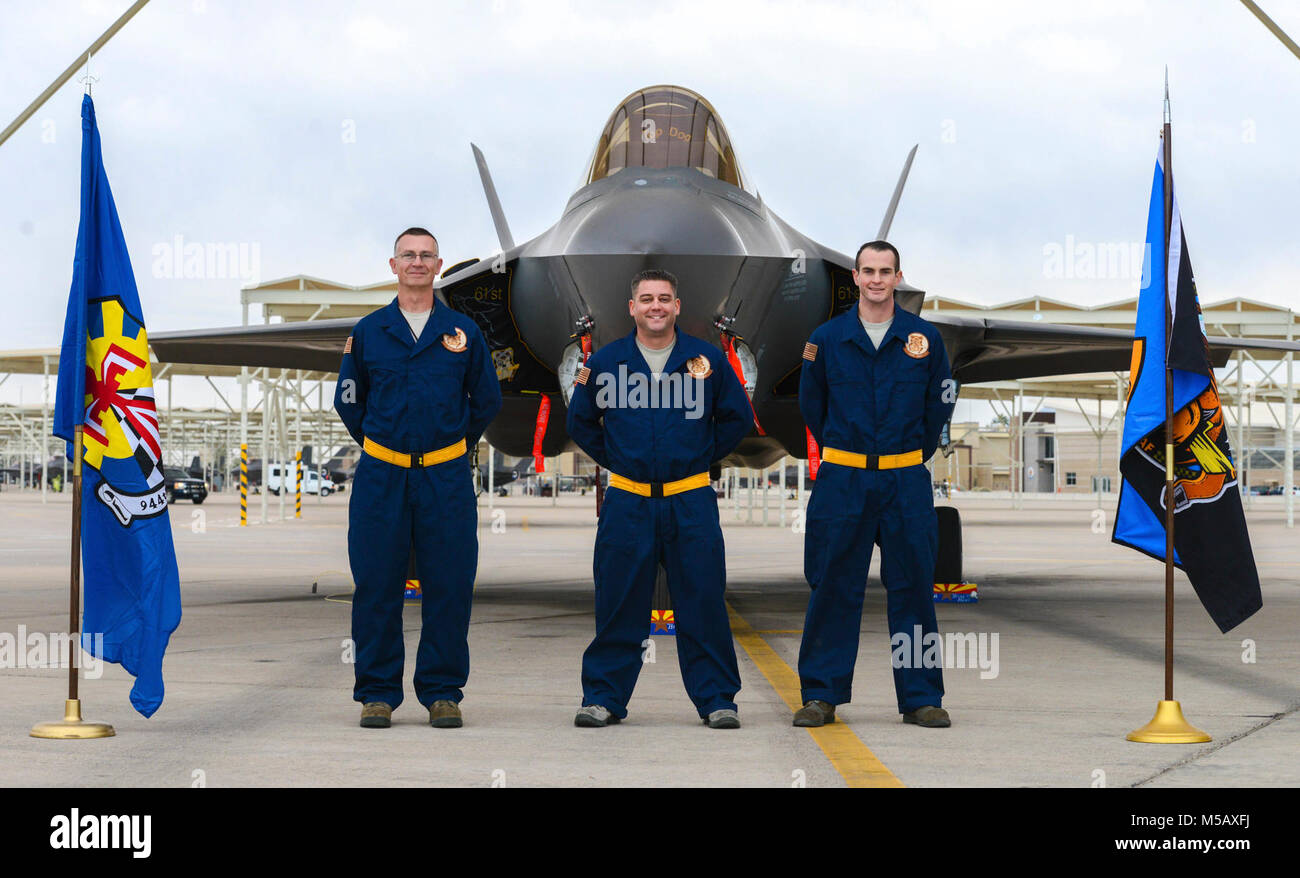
(72, 726)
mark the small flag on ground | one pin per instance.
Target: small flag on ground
(1211, 544)
(132, 585)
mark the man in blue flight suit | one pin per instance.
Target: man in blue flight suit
(416, 390)
(671, 406)
(875, 391)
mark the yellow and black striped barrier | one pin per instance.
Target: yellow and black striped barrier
(297, 499)
(243, 484)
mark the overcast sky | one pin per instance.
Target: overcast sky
(311, 132)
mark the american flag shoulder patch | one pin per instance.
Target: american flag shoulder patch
(347, 345)
(583, 374)
(810, 352)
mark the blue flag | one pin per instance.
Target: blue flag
(1211, 544)
(132, 585)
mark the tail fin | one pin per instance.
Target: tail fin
(883, 234)
(494, 203)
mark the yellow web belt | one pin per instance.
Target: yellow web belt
(871, 461)
(659, 489)
(428, 458)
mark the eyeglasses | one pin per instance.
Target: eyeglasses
(409, 256)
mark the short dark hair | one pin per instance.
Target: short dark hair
(654, 274)
(413, 230)
(880, 247)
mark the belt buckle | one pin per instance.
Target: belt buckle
(656, 490)
(873, 461)
(417, 460)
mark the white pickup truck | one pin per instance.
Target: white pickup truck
(312, 482)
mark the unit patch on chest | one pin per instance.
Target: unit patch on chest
(917, 346)
(699, 367)
(455, 343)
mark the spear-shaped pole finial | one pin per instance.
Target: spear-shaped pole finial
(1167, 117)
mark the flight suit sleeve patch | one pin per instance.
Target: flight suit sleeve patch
(810, 352)
(347, 345)
(583, 374)
(917, 346)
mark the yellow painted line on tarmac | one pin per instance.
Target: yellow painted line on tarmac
(851, 758)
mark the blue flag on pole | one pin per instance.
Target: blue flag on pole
(130, 578)
(1211, 544)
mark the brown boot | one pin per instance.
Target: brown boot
(929, 717)
(814, 714)
(376, 715)
(445, 715)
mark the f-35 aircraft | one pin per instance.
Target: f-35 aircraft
(664, 189)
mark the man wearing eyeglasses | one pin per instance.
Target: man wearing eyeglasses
(416, 390)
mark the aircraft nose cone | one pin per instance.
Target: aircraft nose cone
(657, 212)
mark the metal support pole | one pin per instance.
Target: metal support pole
(767, 489)
(45, 424)
(1119, 431)
(1100, 430)
(266, 468)
(1289, 440)
(781, 485)
(297, 438)
(243, 438)
(1018, 483)
(281, 439)
(1241, 446)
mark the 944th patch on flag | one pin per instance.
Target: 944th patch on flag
(1211, 544)
(132, 585)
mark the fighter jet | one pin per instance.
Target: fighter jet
(664, 189)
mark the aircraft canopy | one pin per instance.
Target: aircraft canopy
(665, 126)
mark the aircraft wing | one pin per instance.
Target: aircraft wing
(315, 345)
(1006, 350)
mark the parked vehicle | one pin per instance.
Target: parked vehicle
(182, 486)
(312, 481)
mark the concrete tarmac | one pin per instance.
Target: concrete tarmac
(259, 688)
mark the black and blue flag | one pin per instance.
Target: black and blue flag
(1211, 544)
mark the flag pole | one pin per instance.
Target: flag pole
(1168, 726)
(72, 726)
(1167, 138)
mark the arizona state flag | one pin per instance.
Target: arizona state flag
(132, 585)
(1210, 541)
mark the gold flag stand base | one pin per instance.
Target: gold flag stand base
(72, 725)
(1169, 727)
